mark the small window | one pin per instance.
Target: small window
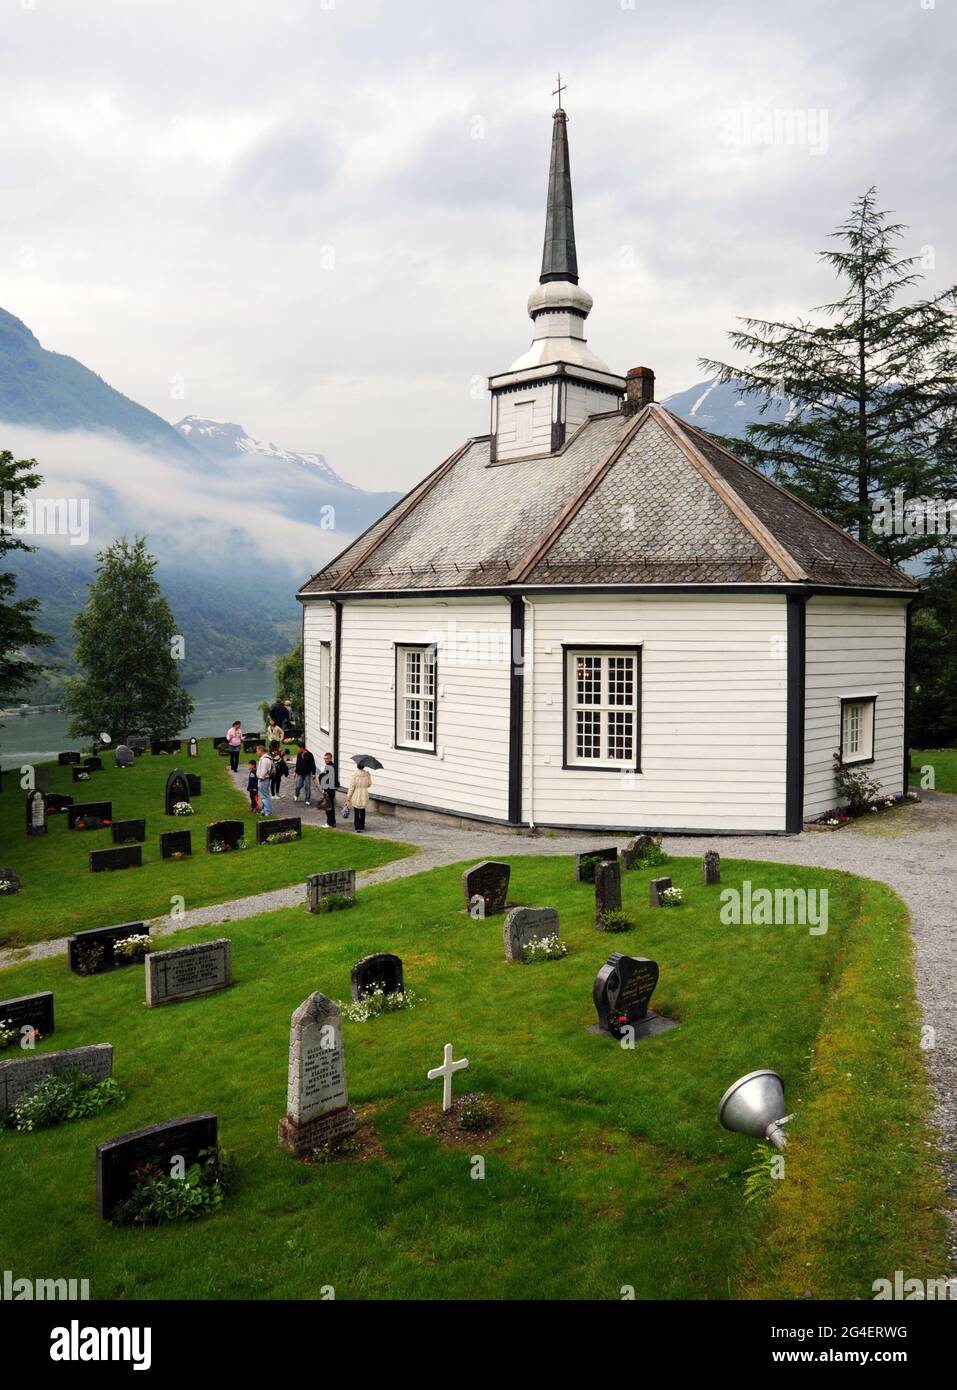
(415, 698)
(602, 726)
(523, 422)
(857, 729)
(325, 685)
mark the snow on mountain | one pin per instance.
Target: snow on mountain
(719, 407)
(223, 440)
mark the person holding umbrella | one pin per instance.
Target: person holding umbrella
(358, 794)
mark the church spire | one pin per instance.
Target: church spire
(559, 257)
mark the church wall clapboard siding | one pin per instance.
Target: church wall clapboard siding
(713, 712)
(855, 646)
(319, 626)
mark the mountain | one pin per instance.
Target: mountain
(54, 392)
(720, 408)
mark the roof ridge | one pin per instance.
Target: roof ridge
(736, 504)
(547, 538)
(413, 497)
(799, 501)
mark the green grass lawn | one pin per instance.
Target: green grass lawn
(944, 763)
(60, 895)
(611, 1169)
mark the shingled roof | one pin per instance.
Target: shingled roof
(639, 499)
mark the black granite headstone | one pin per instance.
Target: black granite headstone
(80, 947)
(177, 790)
(119, 857)
(81, 813)
(57, 803)
(194, 783)
(29, 1011)
(655, 890)
(65, 758)
(280, 826)
(622, 991)
(585, 862)
(93, 764)
(488, 881)
(380, 971)
(607, 889)
(175, 842)
(138, 743)
(127, 832)
(224, 832)
(82, 774)
(36, 809)
(711, 867)
(119, 1160)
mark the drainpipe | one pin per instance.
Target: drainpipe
(529, 666)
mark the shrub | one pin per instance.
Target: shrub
(671, 897)
(336, 902)
(157, 1198)
(68, 1096)
(473, 1112)
(133, 948)
(654, 855)
(545, 948)
(376, 1003)
(89, 959)
(854, 786)
(614, 920)
(281, 836)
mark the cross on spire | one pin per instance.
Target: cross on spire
(562, 87)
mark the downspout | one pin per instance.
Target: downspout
(529, 668)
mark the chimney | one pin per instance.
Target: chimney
(639, 389)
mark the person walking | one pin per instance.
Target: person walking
(274, 733)
(305, 773)
(278, 713)
(327, 785)
(358, 796)
(264, 778)
(280, 768)
(234, 740)
(252, 786)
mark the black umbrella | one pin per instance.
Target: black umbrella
(365, 760)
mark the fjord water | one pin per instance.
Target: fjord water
(217, 700)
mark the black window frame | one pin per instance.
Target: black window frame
(859, 700)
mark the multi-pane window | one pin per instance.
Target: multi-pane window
(415, 697)
(602, 707)
(325, 684)
(857, 730)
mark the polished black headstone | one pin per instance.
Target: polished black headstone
(119, 857)
(488, 881)
(29, 1011)
(623, 988)
(279, 826)
(380, 971)
(105, 937)
(128, 831)
(119, 1160)
(83, 810)
(225, 832)
(175, 842)
(585, 862)
(177, 789)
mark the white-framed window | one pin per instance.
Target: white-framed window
(325, 686)
(415, 698)
(602, 707)
(857, 728)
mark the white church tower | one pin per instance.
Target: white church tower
(553, 387)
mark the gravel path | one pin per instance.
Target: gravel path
(914, 851)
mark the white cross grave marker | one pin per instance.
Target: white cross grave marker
(447, 1070)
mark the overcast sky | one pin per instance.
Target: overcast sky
(323, 219)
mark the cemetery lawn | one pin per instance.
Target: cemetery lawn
(944, 763)
(60, 895)
(610, 1169)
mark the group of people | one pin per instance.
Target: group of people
(269, 769)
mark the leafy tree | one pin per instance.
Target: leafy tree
(934, 661)
(125, 639)
(18, 477)
(290, 680)
(872, 387)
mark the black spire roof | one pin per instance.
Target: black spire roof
(559, 258)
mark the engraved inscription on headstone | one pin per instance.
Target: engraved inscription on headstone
(19, 1077)
(489, 881)
(524, 925)
(188, 971)
(119, 1160)
(30, 1011)
(317, 1105)
(36, 813)
(335, 882)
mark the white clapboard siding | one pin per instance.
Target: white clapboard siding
(469, 773)
(855, 646)
(713, 712)
(319, 625)
(536, 403)
(580, 402)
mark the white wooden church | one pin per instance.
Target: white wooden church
(595, 616)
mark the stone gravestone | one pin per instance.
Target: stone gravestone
(655, 890)
(93, 764)
(119, 857)
(119, 1160)
(126, 832)
(488, 881)
(175, 842)
(317, 1105)
(585, 862)
(36, 813)
(193, 748)
(711, 867)
(100, 939)
(82, 811)
(622, 991)
(64, 758)
(11, 877)
(224, 832)
(29, 1011)
(194, 783)
(524, 925)
(279, 826)
(340, 883)
(24, 1075)
(81, 774)
(607, 889)
(177, 789)
(138, 744)
(380, 971)
(188, 971)
(124, 755)
(57, 802)
(634, 852)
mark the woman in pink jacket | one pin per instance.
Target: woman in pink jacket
(234, 738)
